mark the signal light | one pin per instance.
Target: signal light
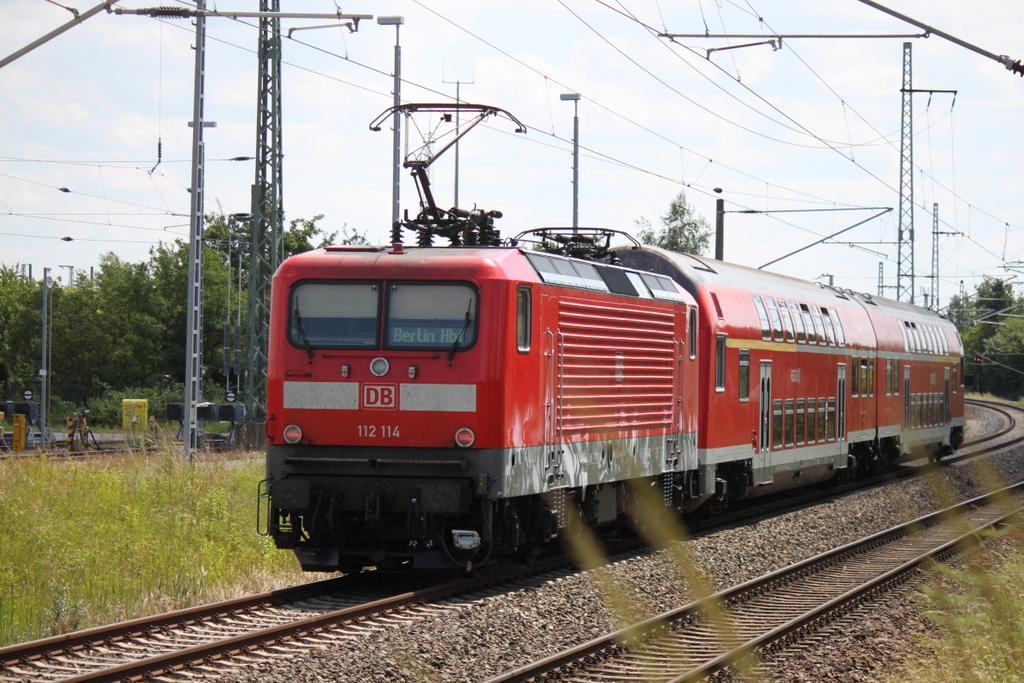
(465, 437)
(293, 434)
(979, 359)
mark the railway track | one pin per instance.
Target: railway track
(186, 639)
(149, 647)
(732, 626)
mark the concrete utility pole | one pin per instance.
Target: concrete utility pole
(44, 366)
(396, 124)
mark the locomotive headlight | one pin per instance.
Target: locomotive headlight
(293, 433)
(465, 437)
(379, 367)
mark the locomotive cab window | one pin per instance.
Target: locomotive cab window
(523, 313)
(334, 315)
(431, 316)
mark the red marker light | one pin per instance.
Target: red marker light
(465, 437)
(293, 434)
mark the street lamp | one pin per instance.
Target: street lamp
(575, 99)
(397, 22)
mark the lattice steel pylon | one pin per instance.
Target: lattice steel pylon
(266, 231)
(905, 247)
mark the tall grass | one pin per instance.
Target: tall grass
(89, 543)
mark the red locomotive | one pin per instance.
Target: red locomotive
(422, 401)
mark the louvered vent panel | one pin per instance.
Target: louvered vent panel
(615, 368)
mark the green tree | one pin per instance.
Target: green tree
(1004, 372)
(683, 229)
(20, 321)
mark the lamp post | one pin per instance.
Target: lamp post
(397, 22)
(575, 99)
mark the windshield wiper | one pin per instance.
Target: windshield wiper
(302, 333)
(462, 332)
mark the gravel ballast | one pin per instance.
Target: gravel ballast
(478, 637)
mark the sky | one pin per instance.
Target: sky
(800, 138)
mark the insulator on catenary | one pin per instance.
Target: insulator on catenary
(171, 12)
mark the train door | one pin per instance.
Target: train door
(763, 458)
(841, 402)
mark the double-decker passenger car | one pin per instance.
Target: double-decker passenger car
(434, 407)
(805, 382)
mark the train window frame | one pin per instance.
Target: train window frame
(855, 380)
(819, 326)
(762, 314)
(812, 422)
(840, 332)
(906, 339)
(389, 300)
(720, 345)
(778, 334)
(798, 320)
(787, 322)
(298, 336)
(524, 318)
(888, 376)
(822, 429)
(865, 376)
(743, 376)
(777, 424)
(956, 369)
(830, 420)
(830, 330)
(801, 422)
(872, 379)
(692, 331)
(789, 428)
(812, 334)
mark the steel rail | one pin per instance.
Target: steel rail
(185, 658)
(97, 637)
(605, 646)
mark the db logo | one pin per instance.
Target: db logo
(380, 396)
